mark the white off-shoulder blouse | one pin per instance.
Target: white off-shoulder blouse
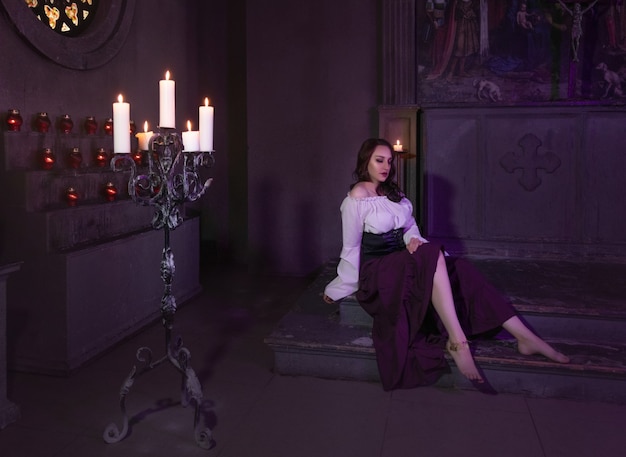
(369, 214)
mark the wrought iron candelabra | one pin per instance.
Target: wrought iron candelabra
(171, 178)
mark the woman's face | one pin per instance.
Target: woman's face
(379, 164)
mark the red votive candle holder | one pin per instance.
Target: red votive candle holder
(14, 120)
(66, 124)
(110, 192)
(138, 157)
(47, 159)
(108, 126)
(91, 125)
(101, 157)
(42, 122)
(75, 158)
(71, 196)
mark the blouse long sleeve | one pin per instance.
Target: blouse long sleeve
(413, 231)
(347, 280)
(368, 214)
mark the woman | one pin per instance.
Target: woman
(404, 283)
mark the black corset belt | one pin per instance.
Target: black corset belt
(376, 245)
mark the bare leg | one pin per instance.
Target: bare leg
(528, 343)
(444, 306)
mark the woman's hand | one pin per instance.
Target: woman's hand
(414, 244)
(328, 300)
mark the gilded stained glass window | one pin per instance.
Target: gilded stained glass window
(67, 17)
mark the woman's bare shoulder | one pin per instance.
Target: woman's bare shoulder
(360, 190)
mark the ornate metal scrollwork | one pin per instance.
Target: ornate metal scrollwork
(171, 179)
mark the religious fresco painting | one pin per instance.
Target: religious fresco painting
(521, 51)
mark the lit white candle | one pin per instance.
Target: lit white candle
(144, 137)
(167, 102)
(191, 139)
(398, 146)
(206, 116)
(121, 126)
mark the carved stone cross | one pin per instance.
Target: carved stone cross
(530, 161)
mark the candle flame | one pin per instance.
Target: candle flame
(398, 143)
(145, 126)
(189, 125)
(167, 74)
(120, 98)
(206, 101)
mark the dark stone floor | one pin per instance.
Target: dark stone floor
(254, 411)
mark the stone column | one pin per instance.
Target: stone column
(399, 52)
(9, 411)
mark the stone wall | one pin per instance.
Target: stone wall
(525, 182)
(532, 170)
(90, 273)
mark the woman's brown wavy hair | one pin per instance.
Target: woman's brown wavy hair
(388, 188)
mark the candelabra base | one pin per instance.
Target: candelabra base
(191, 391)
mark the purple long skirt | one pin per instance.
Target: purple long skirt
(409, 338)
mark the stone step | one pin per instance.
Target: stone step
(82, 225)
(316, 339)
(46, 190)
(35, 189)
(581, 301)
(317, 345)
(23, 150)
(561, 300)
(547, 322)
(74, 227)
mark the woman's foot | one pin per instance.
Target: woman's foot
(535, 345)
(462, 356)
(528, 343)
